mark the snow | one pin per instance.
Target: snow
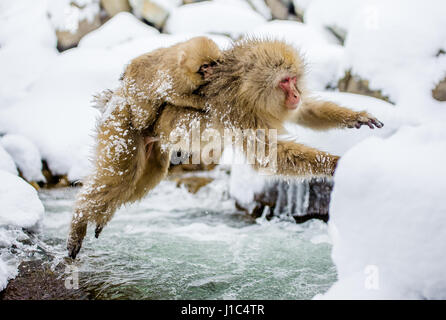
(122, 28)
(212, 17)
(301, 5)
(245, 182)
(339, 141)
(26, 156)
(65, 15)
(388, 216)
(19, 203)
(327, 13)
(6, 162)
(20, 207)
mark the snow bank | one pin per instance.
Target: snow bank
(228, 17)
(388, 217)
(121, 28)
(6, 162)
(26, 156)
(409, 35)
(318, 47)
(20, 207)
(56, 114)
(244, 183)
(6, 272)
(19, 203)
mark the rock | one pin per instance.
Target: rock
(38, 281)
(53, 180)
(354, 84)
(303, 200)
(113, 7)
(151, 11)
(67, 39)
(193, 184)
(439, 92)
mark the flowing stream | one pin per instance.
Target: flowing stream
(177, 245)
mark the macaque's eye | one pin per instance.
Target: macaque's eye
(205, 66)
(213, 64)
(285, 80)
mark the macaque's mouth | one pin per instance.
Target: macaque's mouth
(292, 102)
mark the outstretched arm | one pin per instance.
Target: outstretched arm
(323, 115)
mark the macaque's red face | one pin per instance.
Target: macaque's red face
(292, 95)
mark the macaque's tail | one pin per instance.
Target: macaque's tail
(101, 99)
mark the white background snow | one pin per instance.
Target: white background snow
(388, 212)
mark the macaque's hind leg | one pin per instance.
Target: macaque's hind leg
(120, 160)
(78, 230)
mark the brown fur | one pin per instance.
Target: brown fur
(242, 93)
(167, 75)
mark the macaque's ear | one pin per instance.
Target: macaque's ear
(181, 57)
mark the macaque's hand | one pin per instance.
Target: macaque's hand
(364, 118)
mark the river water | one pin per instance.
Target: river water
(176, 245)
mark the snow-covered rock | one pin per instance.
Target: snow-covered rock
(66, 15)
(245, 182)
(25, 155)
(339, 141)
(388, 216)
(19, 203)
(213, 17)
(20, 207)
(318, 47)
(61, 127)
(6, 272)
(409, 35)
(7, 162)
(121, 28)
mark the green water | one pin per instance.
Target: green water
(175, 245)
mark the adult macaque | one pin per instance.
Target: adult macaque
(258, 85)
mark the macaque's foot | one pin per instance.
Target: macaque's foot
(148, 144)
(75, 239)
(365, 119)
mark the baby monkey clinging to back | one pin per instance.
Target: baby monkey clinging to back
(170, 75)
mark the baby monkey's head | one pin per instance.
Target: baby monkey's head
(196, 59)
